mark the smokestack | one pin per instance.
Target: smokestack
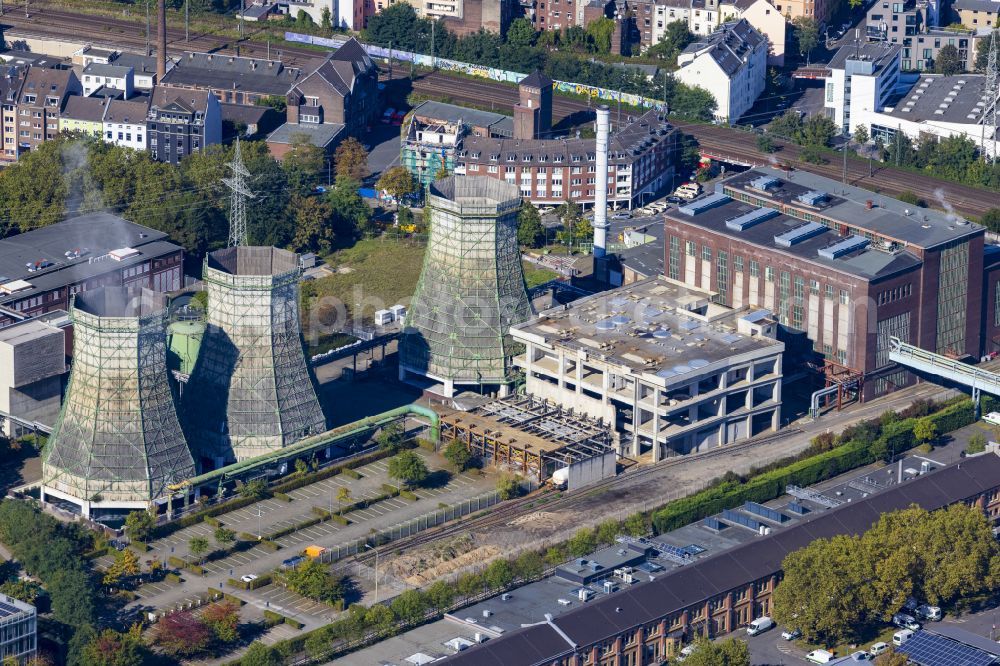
(601, 193)
(161, 40)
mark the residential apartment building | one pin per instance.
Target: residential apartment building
(921, 50)
(842, 270)
(976, 14)
(731, 63)
(125, 122)
(861, 78)
(108, 79)
(180, 122)
(143, 66)
(670, 370)
(40, 103)
(10, 93)
(84, 115)
(18, 630)
(651, 619)
(821, 10)
(764, 16)
(559, 14)
(665, 12)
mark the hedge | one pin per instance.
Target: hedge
(270, 545)
(407, 494)
(293, 623)
(272, 619)
(351, 474)
(282, 496)
(340, 520)
(97, 552)
(260, 581)
(214, 522)
(172, 578)
(176, 562)
(238, 584)
(195, 568)
(333, 470)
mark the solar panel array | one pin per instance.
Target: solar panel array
(742, 520)
(930, 650)
(7, 610)
(764, 512)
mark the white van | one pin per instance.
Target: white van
(901, 636)
(930, 613)
(878, 648)
(760, 625)
(820, 656)
(688, 191)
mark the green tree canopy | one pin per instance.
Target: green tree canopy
(948, 61)
(728, 652)
(408, 468)
(530, 232)
(313, 579)
(458, 454)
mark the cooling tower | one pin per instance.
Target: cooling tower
(471, 287)
(250, 391)
(118, 442)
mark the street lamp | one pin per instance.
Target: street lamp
(368, 545)
(260, 534)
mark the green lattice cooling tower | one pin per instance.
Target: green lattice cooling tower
(471, 288)
(118, 443)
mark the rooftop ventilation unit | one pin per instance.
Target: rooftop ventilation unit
(842, 247)
(123, 253)
(704, 203)
(813, 197)
(799, 234)
(747, 220)
(764, 183)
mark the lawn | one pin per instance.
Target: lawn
(534, 276)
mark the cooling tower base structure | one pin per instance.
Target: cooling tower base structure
(471, 288)
(250, 392)
(118, 442)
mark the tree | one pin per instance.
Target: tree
(529, 565)
(313, 579)
(499, 574)
(182, 634)
(692, 102)
(440, 595)
(977, 443)
(765, 144)
(818, 130)
(312, 224)
(112, 648)
(458, 454)
(343, 495)
(391, 438)
(582, 542)
(254, 489)
(807, 33)
(861, 135)
(303, 164)
(728, 652)
(350, 215)
(351, 160)
(521, 32)
(948, 61)
(508, 486)
(223, 620)
(812, 154)
(675, 39)
(600, 31)
(892, 658)
(139, 525)
(259, 654)
(302, 19)
(126, 565)
(788, 125)
(530, 232)
(410, 606)
(636, 525)
(608, 531)
(27, 591)
(224, 536)
(991, 219)
(408, 468)
(925, 430)
(380, 618)
(198, 546)
(324, 19)
(983, 50)
(397, 182)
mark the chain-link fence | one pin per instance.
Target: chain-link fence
(414, 525)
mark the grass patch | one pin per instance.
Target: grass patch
(534, 276)
(326, 342)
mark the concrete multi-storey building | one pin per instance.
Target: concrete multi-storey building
(125, 122)
(10, 92)
(84, 115)
(764, 16)
(842, 269)
(18, 630)
(731, 63)
(31, 372)
(977, 14)
(860, 78)
(108, 78)
(41, 101)
(920, 51)
(180, 122)
(671, 370)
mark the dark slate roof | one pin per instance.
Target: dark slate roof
(530, 646)
(44, 82)
(950, 99)
(128, 111)
(99, 69)
(255, 75)
(616, 613)
(977, 5)
(880, 53)
(729, 44)
(535, 80)
(187, 100)
(91, 109)
(341, 68)
(139, 63)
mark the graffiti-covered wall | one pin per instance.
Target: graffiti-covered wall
(603, 94)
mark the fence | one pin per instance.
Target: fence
(413, 526)
(604, 94)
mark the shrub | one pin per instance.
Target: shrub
(195, 569)
(977, 444)
(340, 520)
(272, 619)
(293, 623)
(238, 584)
(172, 578)
(270, 545)
(176, 562)
(213, 521)
(351, 474)
(282, 496)
(406, 494)
(925, 448)
(259, 582)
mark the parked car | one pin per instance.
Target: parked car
(791, 634)
(878, 648)
(248, 578)
(622, 216)
(759, 626)
(674, 199)
(387, 116)
(685, 653)
(993, 418)
(902, 619)
(820, 656)
(930, 613)
(901, 636)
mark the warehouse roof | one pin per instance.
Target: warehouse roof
(495, 123)
(645, 602)
(879, 54)
(952, 99)
(223, 72)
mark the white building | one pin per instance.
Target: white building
(32, 364)
(766, 18)
(18, 630)
(705, 17)
(114, 77)
(670, 370)
(669, 11)
(731, 63)
(125, 123)
(861, 78)
(935, 105)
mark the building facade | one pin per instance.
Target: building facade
(114, 77)
(84, 115)
(842, 273)
(180, 122)
(125, 123)
(976, 14)
(764, 16)
(731, 63)
(10, 92)
(40, 103)
(18, 629)
(861, 78)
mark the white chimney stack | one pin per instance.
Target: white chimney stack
(601, 193)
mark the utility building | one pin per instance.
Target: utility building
(251, 392)
(471, 288)
(118, 443)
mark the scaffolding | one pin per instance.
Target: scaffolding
(471, 288)
(251, 392)
(118, 442)
(526, 435)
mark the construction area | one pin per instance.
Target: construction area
(534, 438)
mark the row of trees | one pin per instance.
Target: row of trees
(524, 50)
(835, 589)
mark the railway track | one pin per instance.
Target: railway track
(506, 513)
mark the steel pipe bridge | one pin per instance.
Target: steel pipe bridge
(975, 378)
